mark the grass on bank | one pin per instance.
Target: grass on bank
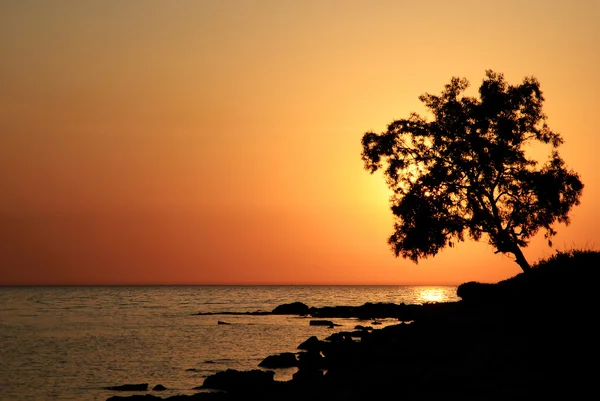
(572, 274)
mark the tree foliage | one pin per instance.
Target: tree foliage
(467, 173)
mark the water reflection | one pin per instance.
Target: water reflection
(433, 294)
(56, 338)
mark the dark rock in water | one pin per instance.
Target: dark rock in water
(308, 376)
(333, 311)
(283, 360)
(327, 323)
(222, 322)
(347, 335)
(368, 311)
(338, 337)
(159, 387)
(295, 308)
(311, 360)
(235, 380)
(129, 387)
(359, 334)
(360, 327)
(335, 337)
(311, 344)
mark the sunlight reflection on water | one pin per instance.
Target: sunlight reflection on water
(432, 294)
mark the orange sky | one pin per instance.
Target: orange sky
(215, 142)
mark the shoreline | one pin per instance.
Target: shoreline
(507, 340)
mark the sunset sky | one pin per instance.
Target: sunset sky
(218, 142)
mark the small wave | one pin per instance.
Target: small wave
(75, 307)
(248, 313)
(221, 360)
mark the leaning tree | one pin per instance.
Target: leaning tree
(466, 170)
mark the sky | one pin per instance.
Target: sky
(218, 142)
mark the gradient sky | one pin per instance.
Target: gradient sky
(217, 142)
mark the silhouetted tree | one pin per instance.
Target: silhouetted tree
(466, 171)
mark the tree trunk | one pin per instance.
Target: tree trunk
(520, 259)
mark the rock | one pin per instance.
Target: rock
(333, 311)
(295, 308)
(346, 336)
(129, 387)
(221, 322)
(308, 376)
(311, 344)
(337, 337)
(159, 387)
(311, 360)
(235, 380)
(341, 336)
(327, 323)
(361, 327)
(368, 311)
(359, 334)
(283, 360)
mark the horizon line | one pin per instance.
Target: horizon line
(228, 285)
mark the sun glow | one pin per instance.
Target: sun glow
(202, 143)
(432, 295)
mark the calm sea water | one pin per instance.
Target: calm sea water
(68, 343)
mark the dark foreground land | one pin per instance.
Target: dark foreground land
(530, 337)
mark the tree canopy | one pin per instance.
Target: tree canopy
(466, 172)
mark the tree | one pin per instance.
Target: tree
(466, 171)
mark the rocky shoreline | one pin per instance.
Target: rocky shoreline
(510, 340)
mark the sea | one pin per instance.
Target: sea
(70, 343)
